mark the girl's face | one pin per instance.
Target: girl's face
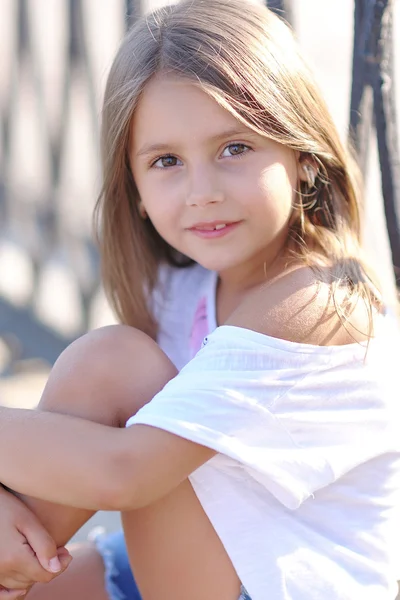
(214, 190)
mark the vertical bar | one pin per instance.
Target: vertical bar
(372, 96)
(133, 10)
(361, 103)
(283, 8)
(386, 126)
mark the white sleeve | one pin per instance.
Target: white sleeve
(296, 421)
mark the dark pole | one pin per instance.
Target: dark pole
(373, 95)
(283, 8)
(133, 10)
(386, 128)
(361, 103)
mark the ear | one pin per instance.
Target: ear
(306, 169)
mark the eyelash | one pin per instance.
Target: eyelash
(245, 146)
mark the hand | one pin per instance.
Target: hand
(27, 552)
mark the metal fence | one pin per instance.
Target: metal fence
(49, 174)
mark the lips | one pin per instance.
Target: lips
(211, 225)
(213, 229)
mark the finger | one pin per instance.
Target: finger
(25, 569)
(28, 570)
(12, 594)
(21, 579)
(43, 546)
(15, 582)
(64, 557)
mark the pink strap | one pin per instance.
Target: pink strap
(199, 328)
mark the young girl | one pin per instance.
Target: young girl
(269, 466)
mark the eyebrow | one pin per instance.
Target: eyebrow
(151, 148)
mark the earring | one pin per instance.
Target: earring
(142, 210)
(310, 175)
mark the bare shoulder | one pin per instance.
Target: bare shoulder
(299, 306)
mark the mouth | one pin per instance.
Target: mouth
(213, 228)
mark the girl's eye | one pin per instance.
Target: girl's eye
(166, 161)
(235, 150)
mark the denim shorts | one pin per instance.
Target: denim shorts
(120, 584)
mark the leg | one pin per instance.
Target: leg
(175, 553)
(93, 379)
(107, 376)
(83, 579)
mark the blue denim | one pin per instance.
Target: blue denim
(120, 584)
(244, 595)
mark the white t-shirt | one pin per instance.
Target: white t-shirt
(305, 489)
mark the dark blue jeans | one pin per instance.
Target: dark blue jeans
(120, 583)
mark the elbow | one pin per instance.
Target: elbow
(109, 498)
(117, 498)
(119, 491)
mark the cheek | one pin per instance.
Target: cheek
(161, 208)
(278, 183)
(155, 199)
(161, 216)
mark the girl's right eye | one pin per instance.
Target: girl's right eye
(166, 161)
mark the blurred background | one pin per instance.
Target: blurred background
(55, 58)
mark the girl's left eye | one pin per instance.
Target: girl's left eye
(235, 150)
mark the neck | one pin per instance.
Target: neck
(244, 277)
(235, 283)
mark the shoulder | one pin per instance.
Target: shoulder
(300, 306)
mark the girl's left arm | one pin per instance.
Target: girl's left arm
(79, 463)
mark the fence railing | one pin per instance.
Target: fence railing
(49, 174)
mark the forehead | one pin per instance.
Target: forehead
(171, 107)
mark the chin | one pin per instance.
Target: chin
(215, 264)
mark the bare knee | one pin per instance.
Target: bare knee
(107, 375)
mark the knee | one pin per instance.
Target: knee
(116, 368)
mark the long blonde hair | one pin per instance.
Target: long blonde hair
(246, 58)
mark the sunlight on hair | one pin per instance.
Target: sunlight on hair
(249, 62)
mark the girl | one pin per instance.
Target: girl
(270, 462)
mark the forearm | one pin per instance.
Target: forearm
(57, 458)
(88, 459)
(61, 522)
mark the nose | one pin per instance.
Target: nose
(203, 189)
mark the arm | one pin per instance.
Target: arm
(21, 532)
(105, 377)
(91, 466)
(24, 530)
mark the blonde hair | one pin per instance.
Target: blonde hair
(246, 58)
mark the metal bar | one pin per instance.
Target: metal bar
(361, 102)
(283, 8)
(386, 123)
(372, 98)
(133, 9)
